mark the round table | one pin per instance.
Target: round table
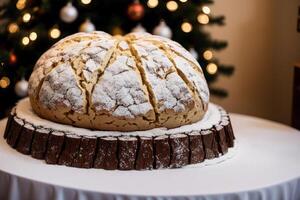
(265, 165)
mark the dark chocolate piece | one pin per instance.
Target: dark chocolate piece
(179, 150)
(127, 152)
(70, 150)
(197, 153)
(25, 140)
(39, 143)
(230, 128)
(145, 157)
(229, 133)
(210, 144)
(107, 153)
(8, 124)
(15, 130)
(54, 147)
(221, 139)
(161, 152)
(227, 118)
(86, 152)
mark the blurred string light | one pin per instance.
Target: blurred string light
(25, 41)
(186, 27)
(203, 19)
(33, 36)
(207, 55)
(86, 1)
(152, 3)
(54, 33)
(35, 9)
(13, 28)
(172, 5)
(117, 31)
(4, 82)
(212, 68)
(206, 10)
(20, 5)
(26, 17)
(183, 1)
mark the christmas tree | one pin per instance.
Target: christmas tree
(29, 27)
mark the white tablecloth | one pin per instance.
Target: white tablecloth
(265, 165)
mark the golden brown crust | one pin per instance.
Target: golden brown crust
(135, 82)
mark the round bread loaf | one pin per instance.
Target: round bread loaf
(135, 82)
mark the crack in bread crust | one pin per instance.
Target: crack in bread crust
(144, 81)
(172, 49)
(179, 72)
(98, 74)
(160, 69)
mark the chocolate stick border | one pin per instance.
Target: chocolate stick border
(120, 152)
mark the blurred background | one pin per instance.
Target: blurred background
(247, 49)
(264, 46)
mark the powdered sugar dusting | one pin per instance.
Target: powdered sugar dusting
(194, 77)
(119, 90)
(174, 46)
(169, 90)
(94, 57)
(61, 88)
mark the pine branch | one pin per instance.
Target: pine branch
(226, 69)
(219, 92)
(218, 20)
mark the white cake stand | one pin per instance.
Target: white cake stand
(266, 165)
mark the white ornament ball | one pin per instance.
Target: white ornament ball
(68, 13)
(139, 29)
(163, 30)
(194, 53)
(21, 88)
(87, 26)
